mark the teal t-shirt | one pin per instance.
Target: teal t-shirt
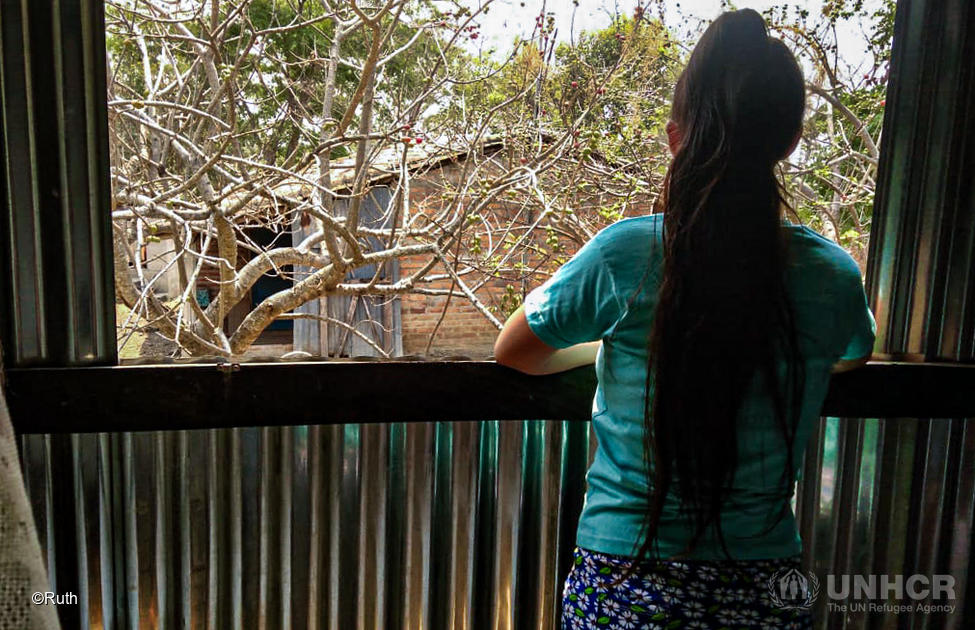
(594, 296)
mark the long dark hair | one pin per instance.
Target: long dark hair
(724, 322)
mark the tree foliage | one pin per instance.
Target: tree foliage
(231, 115)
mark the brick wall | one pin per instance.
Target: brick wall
(457, 326)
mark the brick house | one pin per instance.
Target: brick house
(458, 327)
(403, 324)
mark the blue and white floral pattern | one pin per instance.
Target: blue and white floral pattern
(675, 595)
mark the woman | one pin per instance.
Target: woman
(714, 328)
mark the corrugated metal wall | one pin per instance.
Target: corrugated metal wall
(434, 525)
(56, 288)
(443, 525)
(892, 497)
(56, 246)
(903, 490)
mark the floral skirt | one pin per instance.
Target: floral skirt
(674, 595)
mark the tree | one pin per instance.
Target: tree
(834, 177)
(231, 115)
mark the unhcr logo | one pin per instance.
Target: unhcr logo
(793, 590)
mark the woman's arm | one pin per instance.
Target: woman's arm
(845, 365)
(519, 348)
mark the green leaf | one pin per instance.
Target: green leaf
(579, 612)
(674, 623)
(605, 570)
(589, 590)
(603, 620)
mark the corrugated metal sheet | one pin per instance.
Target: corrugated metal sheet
(438, 525)
(442, 525)
(898, 497)
(892, 497)
(375, 319)
(923, 236)
(57, 286)
(56, 241)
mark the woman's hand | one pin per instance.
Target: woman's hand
(518, 347)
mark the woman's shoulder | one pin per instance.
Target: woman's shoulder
(644, 222)
(813, 249)
(630, 233)
(632, 251)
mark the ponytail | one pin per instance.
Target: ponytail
(724, 322)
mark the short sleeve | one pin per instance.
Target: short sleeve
(859, 322)
(578, 303)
